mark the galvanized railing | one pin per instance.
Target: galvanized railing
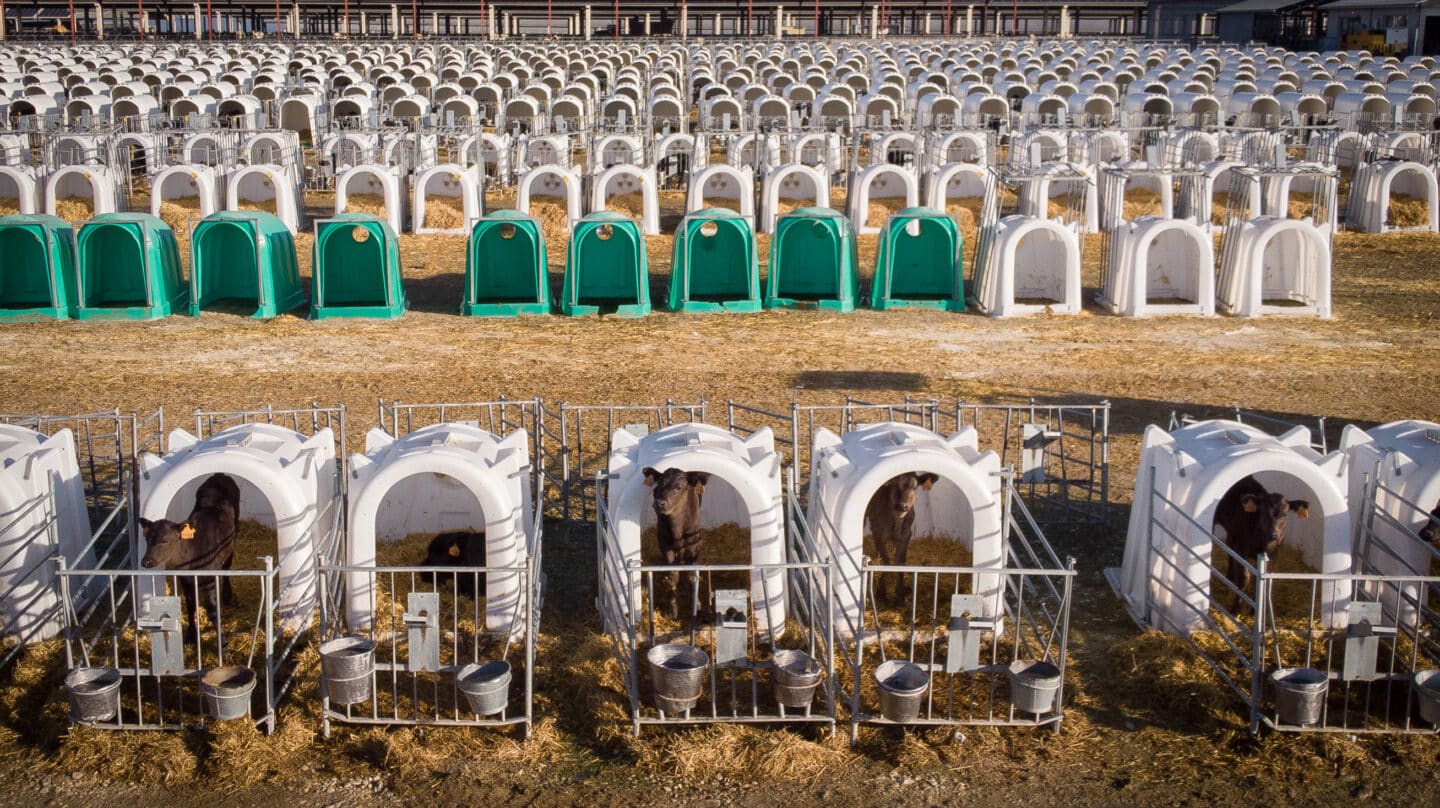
(740, 644)
(965, 641)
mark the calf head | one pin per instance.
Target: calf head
(1272, 512)
(672, 487)
(166, 543)
(901, 490)
(1431, 531)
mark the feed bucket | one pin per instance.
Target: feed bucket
(1427, 689)
(1300, 694)
(346, 663)
(94, 693)
(486, 686)
(796, 676)
(678, 671)
(227, 691)
(1033, 685)
(902, 687)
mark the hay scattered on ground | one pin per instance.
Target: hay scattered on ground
(784, 206)
(1142, 202)
(723, 202)
(178, 212)
(365, 203)
(1301, 205)
(879, 210)
(8, 209)
(444, 212)
(631, 204)
(1221, 210)
(267, 206)
(75, 209)
(1407, 211)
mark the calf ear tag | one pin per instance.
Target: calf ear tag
(187, 532)
(454, 551)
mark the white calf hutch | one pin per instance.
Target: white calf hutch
(1027, 266)
(1275, 266)
(718, 657)
(449, 638)
(1160, 266)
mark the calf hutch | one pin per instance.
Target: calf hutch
(751, 640)
(982, 599)
(1326, 640)
(246, 259)
(446, 634)
(37, 278)
(128, 268)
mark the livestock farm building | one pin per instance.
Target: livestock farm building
(719, 403)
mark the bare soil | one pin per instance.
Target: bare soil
(1377, 360)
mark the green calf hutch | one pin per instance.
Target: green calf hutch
(918, 263)
(606, 268)
(129, 269)
(37, 267)
(713, 266)
(812, 261)
(357, 268)
(246, 258)
(506, 267)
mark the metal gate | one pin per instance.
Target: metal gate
(584, 434)
(134, 629)
(968, 646)
(740, 679)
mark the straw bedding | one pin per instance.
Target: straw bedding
(7, 208)
(631, 204)
(1407, 211)
(1142, 202)
(879, 209)
(75, 208)
(444, 212)
(365, 203)
(178, 212)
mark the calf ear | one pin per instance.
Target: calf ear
(928, 480)
(145, 524)
(698, 479)
(651, 475)
(1250, 503)
(1300, 507)
(187, 531)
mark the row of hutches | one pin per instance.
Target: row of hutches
(128, 266)
(783, 629)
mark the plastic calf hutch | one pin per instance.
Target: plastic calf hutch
(186, 181)
(1275, 266)
(1160, 267)
(714, 265)
(375, 180)
(812, 261)
(918, 263)
(965, 505)
(744, 488)
(287, 481)
(444, 477)
(1032, 266)
(261, 184)
(357, 269)
(1166, 574)
(247, 258)
(1399, 464)
(37, 276)
(451, 182)
(551, 182)
(43, 497)
(506, 267)
(129, 269)
(606, 268)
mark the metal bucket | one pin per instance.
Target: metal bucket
(1033, 685)
(1427, 690)
(1300, 694)
(227, 691)
(678, 671)
(902, 687)
(94, 693)
(346, 663)
(796, 676)
(486, 686)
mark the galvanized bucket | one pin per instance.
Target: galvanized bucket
(678, 671)
(1300, 694)
(94, 693)
(902, 687)
(796, 676)
(486, 686)
(1427, 690)
(346, 663)
(227, 691)
(1033, 685)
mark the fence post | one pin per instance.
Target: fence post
(1257, 673)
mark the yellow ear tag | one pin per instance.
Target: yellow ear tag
(187, 532)
(455, 551)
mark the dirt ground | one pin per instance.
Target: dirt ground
(1377, 360)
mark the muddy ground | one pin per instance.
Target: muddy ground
(1377, 360)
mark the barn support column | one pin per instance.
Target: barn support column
(589, 26)
(875, 22)
(394, 22)
(969, 21)
(490, 22)
(684, 21)
(779, 21)
(647, 23)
